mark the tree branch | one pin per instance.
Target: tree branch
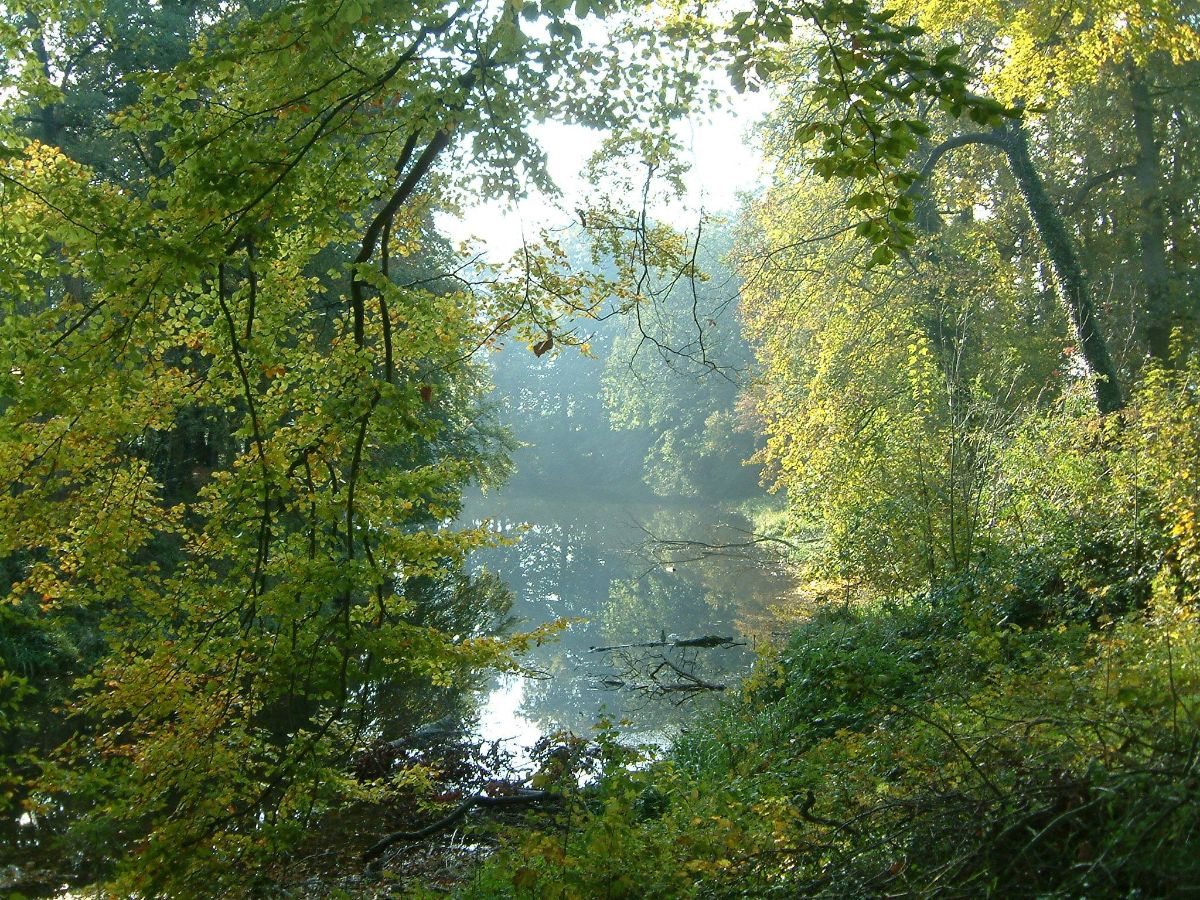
(522, 797)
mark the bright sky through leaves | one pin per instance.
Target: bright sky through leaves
(725, 159)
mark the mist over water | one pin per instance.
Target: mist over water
(580, 560)
(585, 526)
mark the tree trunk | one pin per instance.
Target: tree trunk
(1158, 317)
(1070, 282)
(47, 113)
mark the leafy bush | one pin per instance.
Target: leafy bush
(1028, 725)
(1068, 770)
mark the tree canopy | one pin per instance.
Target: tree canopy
(241, 375)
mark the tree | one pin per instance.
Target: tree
(1074, 71)
(211, 277)
(233, 287)
(892, 375)
(677, 373)
(1070, 282)
(885, 391)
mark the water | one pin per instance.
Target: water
(595, 562)
(583, 559)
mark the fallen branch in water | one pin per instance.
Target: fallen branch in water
(690, 681)
(651, 677)
(703, 643)
(521, 797)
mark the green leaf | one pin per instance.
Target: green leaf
(882, 255)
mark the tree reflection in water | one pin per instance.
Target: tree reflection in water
(581, 560)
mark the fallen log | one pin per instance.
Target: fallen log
(704, 642)
(688, 687)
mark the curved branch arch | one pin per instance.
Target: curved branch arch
(1070, 283)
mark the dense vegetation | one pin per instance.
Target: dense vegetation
(997, 691)
(245, 382)
(1029, 726)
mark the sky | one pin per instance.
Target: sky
(724, 157)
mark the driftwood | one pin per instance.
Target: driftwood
(522, 796)
(705, 642)
(655, 674)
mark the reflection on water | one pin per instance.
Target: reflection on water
(585, 561)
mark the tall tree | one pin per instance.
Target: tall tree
(1087, 72)
(1070, 282)
(219, 283)
(1040, 203)
(223, 271)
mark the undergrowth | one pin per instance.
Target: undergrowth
(1029, 728)
(881, 754)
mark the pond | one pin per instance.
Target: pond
(601, 564)
(591, 559)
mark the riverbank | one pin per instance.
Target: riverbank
(595, 562)
(913, 749)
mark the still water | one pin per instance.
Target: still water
(596, 563)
